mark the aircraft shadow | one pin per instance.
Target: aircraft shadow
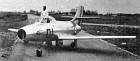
(55, 49)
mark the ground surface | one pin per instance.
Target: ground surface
(87, 50)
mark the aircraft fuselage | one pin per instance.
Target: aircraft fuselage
(47, 31)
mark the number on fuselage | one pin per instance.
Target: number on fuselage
(49, 33)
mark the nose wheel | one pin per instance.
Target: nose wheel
(74, 44)
(39, 51)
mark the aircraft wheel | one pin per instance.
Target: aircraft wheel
(39, 52)
(59, 43)
(73, 45)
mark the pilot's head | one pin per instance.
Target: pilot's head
(44, 8)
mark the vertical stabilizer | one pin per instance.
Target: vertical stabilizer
(79, 13)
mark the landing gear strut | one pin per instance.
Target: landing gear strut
(39, 51)
(74, 44)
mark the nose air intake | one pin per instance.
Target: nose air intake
(21, 34)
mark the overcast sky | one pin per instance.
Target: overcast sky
(102, 6)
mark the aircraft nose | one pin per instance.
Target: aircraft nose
(21, 34)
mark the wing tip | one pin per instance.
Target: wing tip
(14, 30)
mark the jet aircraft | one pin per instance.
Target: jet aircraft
(48, 29)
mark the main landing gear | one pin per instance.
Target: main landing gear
(59, 43)
(74, 44)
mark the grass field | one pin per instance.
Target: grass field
(131, 44)
(115, 20)
(7, 38)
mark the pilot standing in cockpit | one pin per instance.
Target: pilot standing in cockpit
(44, 15)
(44, 12)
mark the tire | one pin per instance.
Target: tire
(59, 43)
(73, 45)
(38, 52)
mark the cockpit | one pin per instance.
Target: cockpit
(47, 19)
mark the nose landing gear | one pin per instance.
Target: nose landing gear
(58, 44)
(39, 51)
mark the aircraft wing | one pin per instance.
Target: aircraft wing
(93, 37)
(84, 35)
(14, 30)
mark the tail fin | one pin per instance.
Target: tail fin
(79, 13)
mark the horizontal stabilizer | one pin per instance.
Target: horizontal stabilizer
(14, 30)
(94, 37)
(88, 17)
(68, 16)
(81, 17)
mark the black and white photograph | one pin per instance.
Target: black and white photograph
(69, 30)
